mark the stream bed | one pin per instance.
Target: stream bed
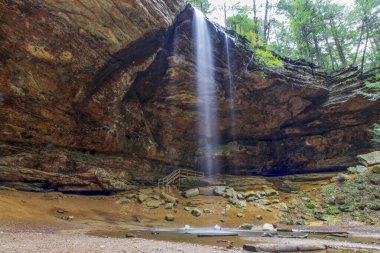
(237, 238)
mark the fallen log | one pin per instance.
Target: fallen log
(338, 235)
(293, 236)
(217, 234)
(283, 247)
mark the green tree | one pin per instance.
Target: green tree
(203, 5)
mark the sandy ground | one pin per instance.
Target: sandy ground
(78, 243)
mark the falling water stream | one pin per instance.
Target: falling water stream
(208, 133)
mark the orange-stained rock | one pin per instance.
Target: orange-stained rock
(96, 95)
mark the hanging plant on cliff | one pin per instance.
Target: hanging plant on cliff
(374, 94)
(243, 25)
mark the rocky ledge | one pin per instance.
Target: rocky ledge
(99, 95)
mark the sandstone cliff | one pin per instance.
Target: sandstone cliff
(96, 95)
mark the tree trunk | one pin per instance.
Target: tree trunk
(265, 27)
(317, 50)
(364, 51)
(255, 21)
(337, 43)
(306, 41)
(359, 42)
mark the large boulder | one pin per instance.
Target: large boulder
(370, 159)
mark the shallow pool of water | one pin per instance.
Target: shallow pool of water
(223, 238)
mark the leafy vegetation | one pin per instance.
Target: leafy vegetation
(358, 198)
(133, 145)
(82, 157)
(323, 32)
(203, 5)
(192, 182)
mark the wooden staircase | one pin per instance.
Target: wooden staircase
(177, 175)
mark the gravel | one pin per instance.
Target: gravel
(78, 243)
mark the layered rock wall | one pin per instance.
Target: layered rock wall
(96, 95)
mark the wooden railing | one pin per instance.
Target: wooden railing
(178, 175)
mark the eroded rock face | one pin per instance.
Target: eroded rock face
(96, 95)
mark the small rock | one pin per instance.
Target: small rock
(240, 195)
(192, 193)
(169, 198)
(233, 200)
(169, 206)
(268, 227)
(206, 210)
(241, 203)
(169, 217)
(70, 217)
(206, 191)
(270, 192)
(275, 201)
(195, 212)
(142, 197)
(264, 202)
(123, 201)
(187, 209)
(152, 203)
(240, 215)
(156, 197)
(259, 217)
(251, 199)
(61, 210)
(230, 193)
(370, 159)
(219, 190)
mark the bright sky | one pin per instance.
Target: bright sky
(218, 15)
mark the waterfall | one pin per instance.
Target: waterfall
(208, 132)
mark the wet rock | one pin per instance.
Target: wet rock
(169, 217)
(246, 226)
(196, 212)
(192, 193)
(169, 198)
(219, 190)
(206, 191)
(369, 159)
(241, 203)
